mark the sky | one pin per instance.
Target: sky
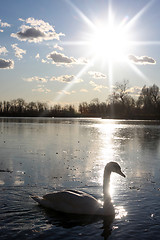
(71, 51)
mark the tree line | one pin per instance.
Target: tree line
(20, 108)
(120, 104)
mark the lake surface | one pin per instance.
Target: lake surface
(42, 155)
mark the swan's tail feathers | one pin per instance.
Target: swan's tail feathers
(37, 199)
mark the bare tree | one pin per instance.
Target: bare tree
(121, 90)
(149, 97)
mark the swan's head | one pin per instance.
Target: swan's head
(114, 167)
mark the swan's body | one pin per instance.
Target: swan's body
(78, 202)
(71, 201)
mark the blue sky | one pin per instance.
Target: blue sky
(63, 51)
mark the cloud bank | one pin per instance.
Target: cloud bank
(142, 60)
(36, 31)
(6, 64)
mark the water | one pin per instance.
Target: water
(43, 155)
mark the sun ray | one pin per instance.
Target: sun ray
(73, 43)
(139, 43)
(139, 14)
(70, 85)
(138, 72)
(82, 15)
(110, 75)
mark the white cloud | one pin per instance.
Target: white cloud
(3, 25)
(66, 79)
(83, 90)
(82, 61)
(21, 19)
(97, 75)
(36, 79)
(134, 91)
(141, 60)
(96, 86)
(37, 56)
(60, 58)
(3, 50)
(66, 92)
(18, 51)
(41, 89)
(6, 64)
(36, 31)
(44, 61)
(58, 47)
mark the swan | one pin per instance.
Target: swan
(78, 202)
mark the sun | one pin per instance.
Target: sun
(109, 42)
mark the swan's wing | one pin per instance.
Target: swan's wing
(72, 201)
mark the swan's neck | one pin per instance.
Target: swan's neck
(108, 207)
(106, 183)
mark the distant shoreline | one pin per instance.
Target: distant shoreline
(120, 105)
(81, 117)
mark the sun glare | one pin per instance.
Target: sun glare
(109, 43)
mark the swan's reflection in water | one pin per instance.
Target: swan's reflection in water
(107, 226)
(72, 220)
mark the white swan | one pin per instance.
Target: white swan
(78, 202)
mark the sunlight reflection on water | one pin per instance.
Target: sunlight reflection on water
(109, 152)
(120, 212)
